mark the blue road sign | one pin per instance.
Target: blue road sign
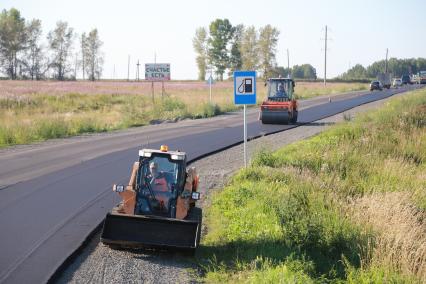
(210, 80)
(245, 87)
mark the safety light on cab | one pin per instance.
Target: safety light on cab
(164, 148)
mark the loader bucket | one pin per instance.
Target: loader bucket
(150, 232)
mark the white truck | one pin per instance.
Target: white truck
(421, 77)
(385, 79)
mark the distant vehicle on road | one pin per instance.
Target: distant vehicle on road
(421, 77)
(376, 85)
(397, 82)
(385, 80)
(405, 79)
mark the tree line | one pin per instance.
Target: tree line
(304, 71)
(226, 48)
(397, 67)
(23, 54)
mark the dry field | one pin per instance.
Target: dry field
(186, 90)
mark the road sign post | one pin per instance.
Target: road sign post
(210, 82)
(245, 94)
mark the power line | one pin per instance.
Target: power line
(128, 68)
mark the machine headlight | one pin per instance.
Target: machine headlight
(195, 195)
(177, 157)
(144, 153)
(118, 188)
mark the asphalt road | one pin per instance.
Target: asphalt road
(54, 194)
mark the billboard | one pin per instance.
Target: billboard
(157, 71)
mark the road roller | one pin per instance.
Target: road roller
(280, 107)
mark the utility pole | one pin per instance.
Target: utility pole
(386, 62)
(325, 57)
(75, 67)
(210, 83)
(113, 73)
(288, 64)
(137, 71)
(128, 68)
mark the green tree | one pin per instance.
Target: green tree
(235, 60)
(83, 43)
(60, 43)
(199, 42)
(92, 55)
(356, 72)
(397, 67)
(420, 64)
(268, 40)
(34, 61)
(305, 71)
(250, 49)
(280, 71)
(374, 69)
(12, 40)
(221, 33)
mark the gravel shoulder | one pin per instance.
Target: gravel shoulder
(100, 264)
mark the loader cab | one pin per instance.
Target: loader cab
(280, 89)
(160, 180)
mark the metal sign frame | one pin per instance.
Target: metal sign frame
(245, 87)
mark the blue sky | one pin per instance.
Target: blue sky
(360, 31)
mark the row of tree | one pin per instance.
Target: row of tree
(304, 71)
(224, 47)
(397, 67)
(23, 55)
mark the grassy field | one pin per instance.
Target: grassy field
(36, 111)
(346, 206)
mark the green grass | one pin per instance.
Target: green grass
(309, 212)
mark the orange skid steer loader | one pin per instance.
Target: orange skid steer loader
(158, 207)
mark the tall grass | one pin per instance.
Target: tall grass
(41, 117)
(345, 206)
